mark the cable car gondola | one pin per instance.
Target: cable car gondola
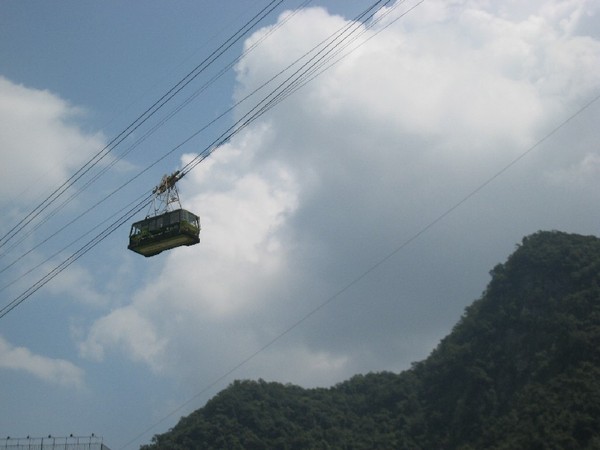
(167, 228)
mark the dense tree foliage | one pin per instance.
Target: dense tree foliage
(521, 370)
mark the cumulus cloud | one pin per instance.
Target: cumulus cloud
(40, 141)
(53, 371)
(126, 328)
(77, 283)
(582, 174)
(362, 158)
(42, 144)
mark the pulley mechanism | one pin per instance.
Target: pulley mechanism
(166, 194)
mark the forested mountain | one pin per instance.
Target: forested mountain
(520, 370)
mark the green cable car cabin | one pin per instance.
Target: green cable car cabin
(156, 234)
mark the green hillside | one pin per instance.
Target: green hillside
(521, 370)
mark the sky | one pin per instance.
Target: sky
(344, 231)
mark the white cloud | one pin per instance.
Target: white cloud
(40, 141)
(53, 371)
(348, 168)
(77, 283)
(581, 174)
(125, 328)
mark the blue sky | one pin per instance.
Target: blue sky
(300, 210)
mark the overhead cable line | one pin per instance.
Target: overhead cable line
(156, 106)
